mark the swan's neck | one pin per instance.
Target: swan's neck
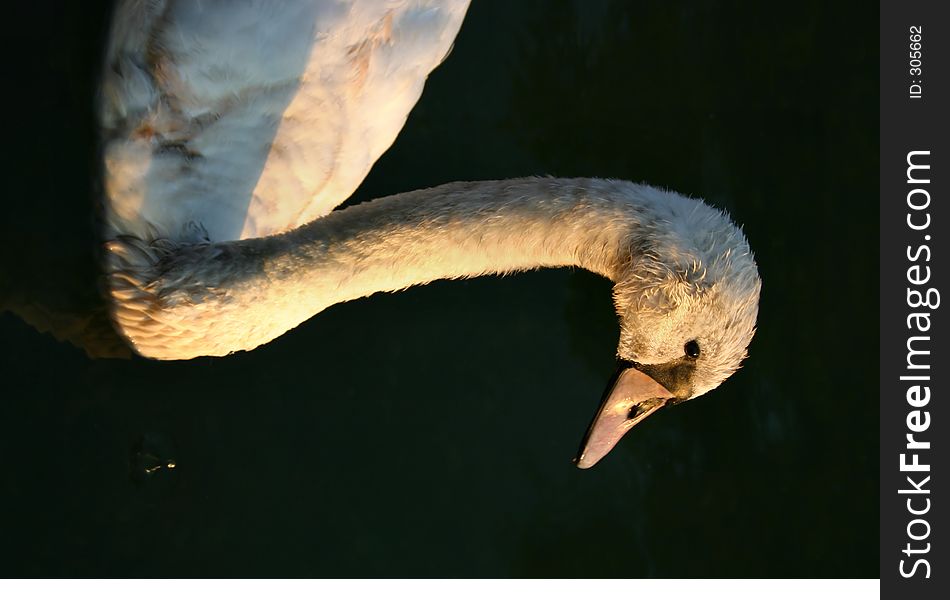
(237, 295)
(454, 231)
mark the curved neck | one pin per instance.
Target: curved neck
(214, 299)
(453, 231)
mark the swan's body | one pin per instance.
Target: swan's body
(230, 135)
(241, 120)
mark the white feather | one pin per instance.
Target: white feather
(244, 119)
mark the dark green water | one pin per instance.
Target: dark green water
(429, 433)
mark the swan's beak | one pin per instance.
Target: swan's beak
(631, 397)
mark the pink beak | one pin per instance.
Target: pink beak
(633, 397)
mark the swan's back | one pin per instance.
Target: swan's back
(226, 120)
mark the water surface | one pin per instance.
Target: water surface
(429, 433)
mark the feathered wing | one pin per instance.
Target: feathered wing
(224, 120)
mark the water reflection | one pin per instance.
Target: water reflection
(152, 456)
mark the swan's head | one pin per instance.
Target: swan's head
(687, 297)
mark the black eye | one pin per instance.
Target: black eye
(692, 349)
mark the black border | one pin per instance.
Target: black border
(909, 124)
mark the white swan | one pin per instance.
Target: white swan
(232, 131)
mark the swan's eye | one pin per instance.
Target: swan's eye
(692, 349)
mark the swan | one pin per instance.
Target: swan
(231, 132)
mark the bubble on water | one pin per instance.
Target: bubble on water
(152, 458)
